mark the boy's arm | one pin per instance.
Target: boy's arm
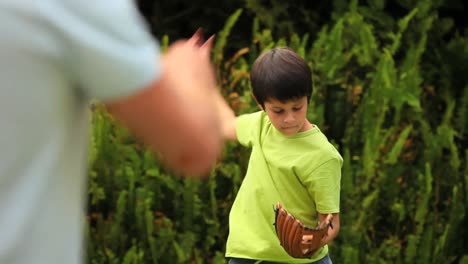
(228, 118)
(225, 113)
(332, 233)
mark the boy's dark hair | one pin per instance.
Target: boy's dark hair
(280, 74)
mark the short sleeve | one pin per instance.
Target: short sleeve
(324, 184)
(247, 128)
(109, 52)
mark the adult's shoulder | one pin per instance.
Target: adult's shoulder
(106, 59)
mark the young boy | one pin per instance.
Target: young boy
(291, 162)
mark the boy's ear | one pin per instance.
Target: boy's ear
(259, 105)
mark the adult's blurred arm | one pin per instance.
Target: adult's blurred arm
(177, 114)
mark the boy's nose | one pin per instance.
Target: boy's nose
(289, 118)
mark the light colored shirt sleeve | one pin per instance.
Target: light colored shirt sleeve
(109, 52)
(247, 128)
(325, 185)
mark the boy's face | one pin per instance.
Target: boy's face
(288, 117)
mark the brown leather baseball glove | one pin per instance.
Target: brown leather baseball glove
(298, 240)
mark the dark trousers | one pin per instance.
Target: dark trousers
(324, 260)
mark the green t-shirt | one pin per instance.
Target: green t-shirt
(303, 172)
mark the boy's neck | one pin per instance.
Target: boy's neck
(307, 126)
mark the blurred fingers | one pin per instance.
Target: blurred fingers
(197, 38)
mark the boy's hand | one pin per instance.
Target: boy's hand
(226, 114)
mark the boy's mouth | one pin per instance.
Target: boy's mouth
(289, 128)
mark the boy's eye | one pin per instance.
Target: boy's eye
(297, 108)
(278, 111)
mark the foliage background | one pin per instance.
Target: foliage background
(390, 91)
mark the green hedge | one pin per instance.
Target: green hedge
(390, 93)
